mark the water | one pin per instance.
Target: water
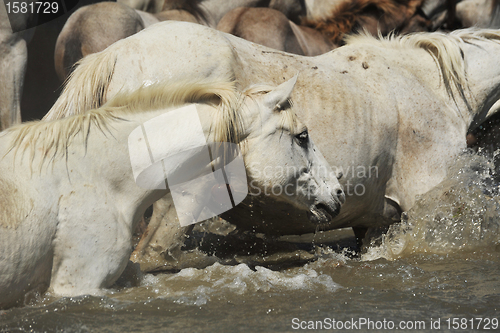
(439, 268)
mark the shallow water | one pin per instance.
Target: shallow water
(439, 268)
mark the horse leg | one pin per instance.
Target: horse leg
(390, 215)
(451, 17)
(359, 233)
(91, 246)
(160, 246)
(13, 58)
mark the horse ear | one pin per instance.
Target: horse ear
(278, 97)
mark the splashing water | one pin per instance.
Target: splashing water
(441, 262)
(459, 214)
(193, 286)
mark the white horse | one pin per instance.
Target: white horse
(391, 114)
(479, 13)
(70, 201)
(13, 59)
(463, 13)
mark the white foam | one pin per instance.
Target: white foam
(462, 213)
(197, 286)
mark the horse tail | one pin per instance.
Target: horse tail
(86, 87)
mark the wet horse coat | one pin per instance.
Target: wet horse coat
(70, 199)
(391, 114)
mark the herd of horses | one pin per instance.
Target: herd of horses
(357, 131)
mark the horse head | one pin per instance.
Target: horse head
(282, 160)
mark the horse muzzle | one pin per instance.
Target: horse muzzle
(325, 212)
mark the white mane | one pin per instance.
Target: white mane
(444, 48)
(52, 138)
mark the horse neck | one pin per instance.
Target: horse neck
(104, 160)
(483, 76)
(113, 158)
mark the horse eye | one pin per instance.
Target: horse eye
(302, 138)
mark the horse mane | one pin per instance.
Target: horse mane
(85, 87)
(445, 49)
(349, 16)
(52, 138)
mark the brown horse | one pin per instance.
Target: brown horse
(319, 33)
(91, 29)
(373, 16)
(210, 12)
(273, 29)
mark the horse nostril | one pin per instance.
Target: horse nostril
(340, 195)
